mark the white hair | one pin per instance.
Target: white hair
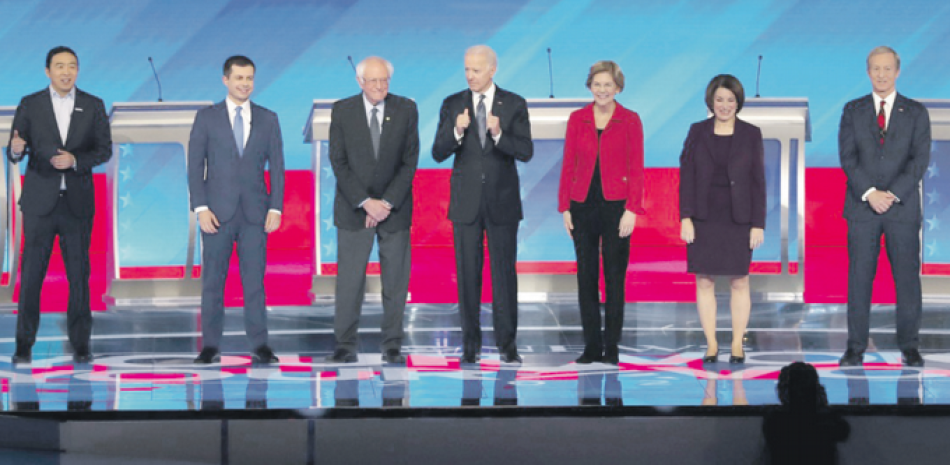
(486, 51)
(362, 66)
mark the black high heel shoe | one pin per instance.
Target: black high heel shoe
(711, 358)
(733, 359)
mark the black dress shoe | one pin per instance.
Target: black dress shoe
(511, 357)
(208, 355)
(469, 359)
(22, 357)
(83, 357)
(912, 358)
(611, 356)
(851, 359)
(585, 359)
(341, 356)
(394, 357)
(264, 355)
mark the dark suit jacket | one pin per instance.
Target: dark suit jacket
(359, 175)
(219, 178)
(89, 139)
(746, 170)
(898, 166)
(491, 169)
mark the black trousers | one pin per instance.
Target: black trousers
(469, 257)
(39, 233)
(596, 234)
(902, 242)
(215, 259)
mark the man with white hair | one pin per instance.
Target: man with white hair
(487, 129)
(374, 150)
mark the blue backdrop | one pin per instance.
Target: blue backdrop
(669, 51)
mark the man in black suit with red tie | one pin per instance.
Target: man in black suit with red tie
(884, 146)
(487, 129)
(65, 132)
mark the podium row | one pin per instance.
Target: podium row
(149, 225)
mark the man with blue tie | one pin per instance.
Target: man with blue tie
(230, 144)
(65, 133)
(884, 146)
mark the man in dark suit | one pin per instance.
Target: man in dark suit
(884, 146)
(487, 129)
(230, 144)
(374, 150)
(66, 133)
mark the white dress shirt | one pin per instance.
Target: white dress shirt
(63, 107)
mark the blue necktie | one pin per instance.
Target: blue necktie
(239, 131)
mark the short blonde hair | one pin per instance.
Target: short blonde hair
(606, 66)
(880, 50)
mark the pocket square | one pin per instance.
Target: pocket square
(78, 109)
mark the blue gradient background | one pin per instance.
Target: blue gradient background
(668, 50)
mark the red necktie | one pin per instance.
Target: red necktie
(882, 121)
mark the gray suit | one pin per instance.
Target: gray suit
(233, 188)
(360, 175)
(896, 166)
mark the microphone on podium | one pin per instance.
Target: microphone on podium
(350, 59)
(157, 81)
(550, 73)
(758, 72)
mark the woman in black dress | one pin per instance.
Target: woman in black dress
(722, 207)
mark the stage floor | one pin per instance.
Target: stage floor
(144, 362)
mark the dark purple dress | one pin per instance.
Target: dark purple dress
(722, 245)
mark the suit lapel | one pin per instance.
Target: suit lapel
(386, 125)
(869, 113)
(46, 107)
(358, 115)
(223, 121)
(895, 123)
(77, 120)
(707, 133)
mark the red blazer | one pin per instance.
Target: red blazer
(746, 170)
(621, 158)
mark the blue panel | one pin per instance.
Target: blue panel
(771, 249)
(936, 200)
(153, 210)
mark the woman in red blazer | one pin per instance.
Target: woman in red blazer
(722, 207)
(600, 195)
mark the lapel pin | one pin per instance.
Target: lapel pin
(387, 118)
(900, 109)
(78, 109)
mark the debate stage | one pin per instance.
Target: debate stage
(144, 401)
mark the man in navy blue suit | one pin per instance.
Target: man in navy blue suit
(231, 142)
(884, 146)
(65, 133)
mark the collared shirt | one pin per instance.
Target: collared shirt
(63, 107)
(245, 113)
(888, 106)
(368, 106)
(489, 99)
